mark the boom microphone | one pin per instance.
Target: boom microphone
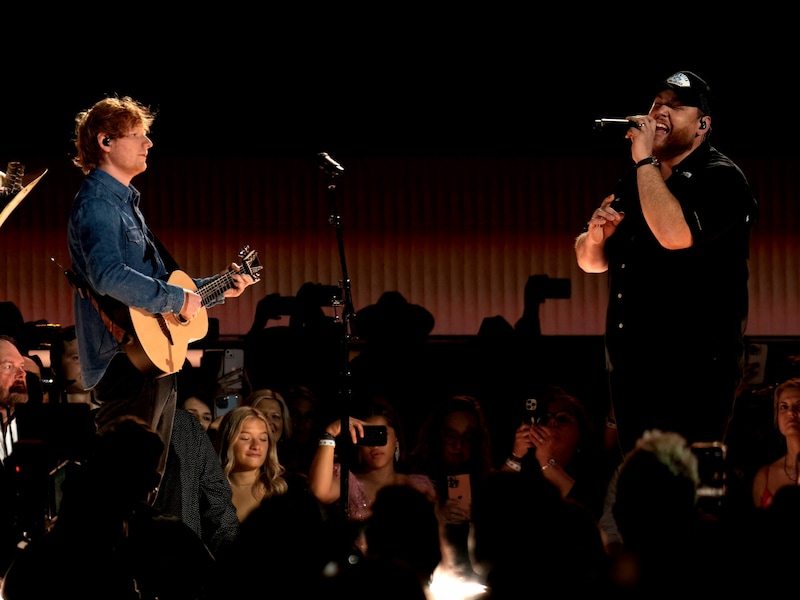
(330, 166)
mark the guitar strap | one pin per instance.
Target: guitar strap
(110, 310)
(114, 315)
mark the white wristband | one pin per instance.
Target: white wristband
(324, 442)
(513, 465)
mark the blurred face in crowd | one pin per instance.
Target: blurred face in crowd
(200, 410)
(71, 367)
(560, 419)
(303, 420)
(272, 409)
(459, 433)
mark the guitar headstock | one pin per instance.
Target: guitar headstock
(250, 264)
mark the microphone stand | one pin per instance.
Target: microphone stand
(333, 169)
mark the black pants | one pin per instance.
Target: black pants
(124, 390)
(690, 395)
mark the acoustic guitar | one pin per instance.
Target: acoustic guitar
(159, 343)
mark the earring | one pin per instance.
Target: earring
(397, 453)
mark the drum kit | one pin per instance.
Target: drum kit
(14, 186)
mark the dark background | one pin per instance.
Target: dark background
(389, 80)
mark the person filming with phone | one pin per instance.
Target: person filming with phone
(375, 463)
(560, 439)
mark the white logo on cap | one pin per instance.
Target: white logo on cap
(680, 80)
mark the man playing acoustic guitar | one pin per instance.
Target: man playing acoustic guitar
(120, 271)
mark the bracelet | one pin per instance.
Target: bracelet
(513, 465)
(327, 442)
(548, 464)
(327, 436)
(515, 458)
(650, 160)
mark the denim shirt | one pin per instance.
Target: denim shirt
(111, 248)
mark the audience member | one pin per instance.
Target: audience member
(752, 440)
(14, 327)
(65, 364)
(495, 370)
(393, 359)
(762, 557)
(405, 529)
(249, 457)
(287, 535)
(369, 468)
(308, 423)
(200, 410)
(274, 407)
(13, 391)
(668, 548)
(783, 471)
(36, 374)
(526, 537)
(560, 439)
(454, 449)
(108, 542)
(194, 486)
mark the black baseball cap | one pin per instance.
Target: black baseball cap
(690, 88)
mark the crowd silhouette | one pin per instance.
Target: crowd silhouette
(493, 479)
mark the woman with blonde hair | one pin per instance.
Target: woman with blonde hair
(248, 453)
(274, 406)
(783, 471)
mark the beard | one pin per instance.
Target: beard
(18, 398)
(17, 394)
(676, 144)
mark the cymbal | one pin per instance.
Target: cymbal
(8, 208)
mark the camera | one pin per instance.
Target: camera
(225, 404)
(532, 413)
(374, 435)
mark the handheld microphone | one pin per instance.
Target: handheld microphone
(330, 166)
(614, 123)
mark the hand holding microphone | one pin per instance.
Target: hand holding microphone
(615, 124)
(618, 124)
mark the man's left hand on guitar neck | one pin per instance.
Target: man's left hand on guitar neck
(193, 302)
(240, 282)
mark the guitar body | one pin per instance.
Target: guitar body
(158, 343)
(155, 352)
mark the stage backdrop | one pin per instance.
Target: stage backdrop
(459, 236)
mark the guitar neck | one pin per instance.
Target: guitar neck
(219, 284)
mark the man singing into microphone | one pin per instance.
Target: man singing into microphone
(674, 237)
